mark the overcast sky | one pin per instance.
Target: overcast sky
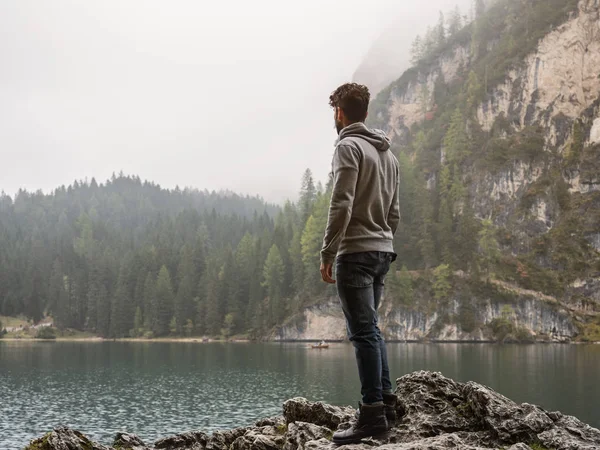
(220, 95)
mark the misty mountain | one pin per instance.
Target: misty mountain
(389, 55)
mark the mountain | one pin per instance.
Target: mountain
(497, 130)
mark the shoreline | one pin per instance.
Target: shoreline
(248, 341)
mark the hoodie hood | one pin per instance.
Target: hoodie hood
(377, 138)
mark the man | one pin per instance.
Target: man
(363, 217)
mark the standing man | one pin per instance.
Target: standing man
(363, 217)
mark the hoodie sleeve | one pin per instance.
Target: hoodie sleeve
(393, 218)
(346, 160)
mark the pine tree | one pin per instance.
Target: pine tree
(426, 240)
(253, 313)
(56, 293)
(297, 262)
(231, 293)
(273, 273)
(455, 23)
(445, 215)
(429, 42)
(163, 303)
(95, 282)
(308, 195)
(575, 146)
(478, 28)
(103, 312)
(84, 245)
(456, 142)
(405, 239)
(441, 282)
(416, 51)
(35, 288)
(78, 289)
(214, 313)
(149, 302)
(184, 300)
(245, 262)
(312, 242)
(440, 31)
(402, 284)
(121, 320)
(184, 303)
(489, 248)
(474, 91)
(466, 242)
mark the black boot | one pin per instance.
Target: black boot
(371, 423)
(390, 401)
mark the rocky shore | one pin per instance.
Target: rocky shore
(435, 413)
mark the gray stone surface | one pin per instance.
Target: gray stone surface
(191, 440)
(128, 441)
(300, 409)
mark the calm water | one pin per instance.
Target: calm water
(157, 389)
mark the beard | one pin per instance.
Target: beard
(338, 126)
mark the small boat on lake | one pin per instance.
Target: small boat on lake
(321, 344)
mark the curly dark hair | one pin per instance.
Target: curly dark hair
(353, 99)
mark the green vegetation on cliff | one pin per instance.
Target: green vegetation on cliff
(446, 153)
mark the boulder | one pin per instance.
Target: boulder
(300, 409)
(192, 440)
(63, 438)
(127, 441)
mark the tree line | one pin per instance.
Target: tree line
(128, 258)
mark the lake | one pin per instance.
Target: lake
(155, 389)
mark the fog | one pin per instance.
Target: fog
(223, 95)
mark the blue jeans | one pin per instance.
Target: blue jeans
(360, 281)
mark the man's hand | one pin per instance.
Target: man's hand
(327, 273)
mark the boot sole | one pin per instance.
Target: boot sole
(380, 435)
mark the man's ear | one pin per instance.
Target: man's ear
(339, 114)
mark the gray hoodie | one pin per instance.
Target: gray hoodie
(364, 211)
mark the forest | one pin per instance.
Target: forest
(128, 258)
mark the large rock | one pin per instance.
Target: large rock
(436, 413)
(191, 440)
(63, 438)
(128, 441)
(299, 433)
(222, 440)
(301, 410)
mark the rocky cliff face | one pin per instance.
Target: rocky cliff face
(321, 321)
(533, 170)
(536, 317)
(433, 412)
(559, 78)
